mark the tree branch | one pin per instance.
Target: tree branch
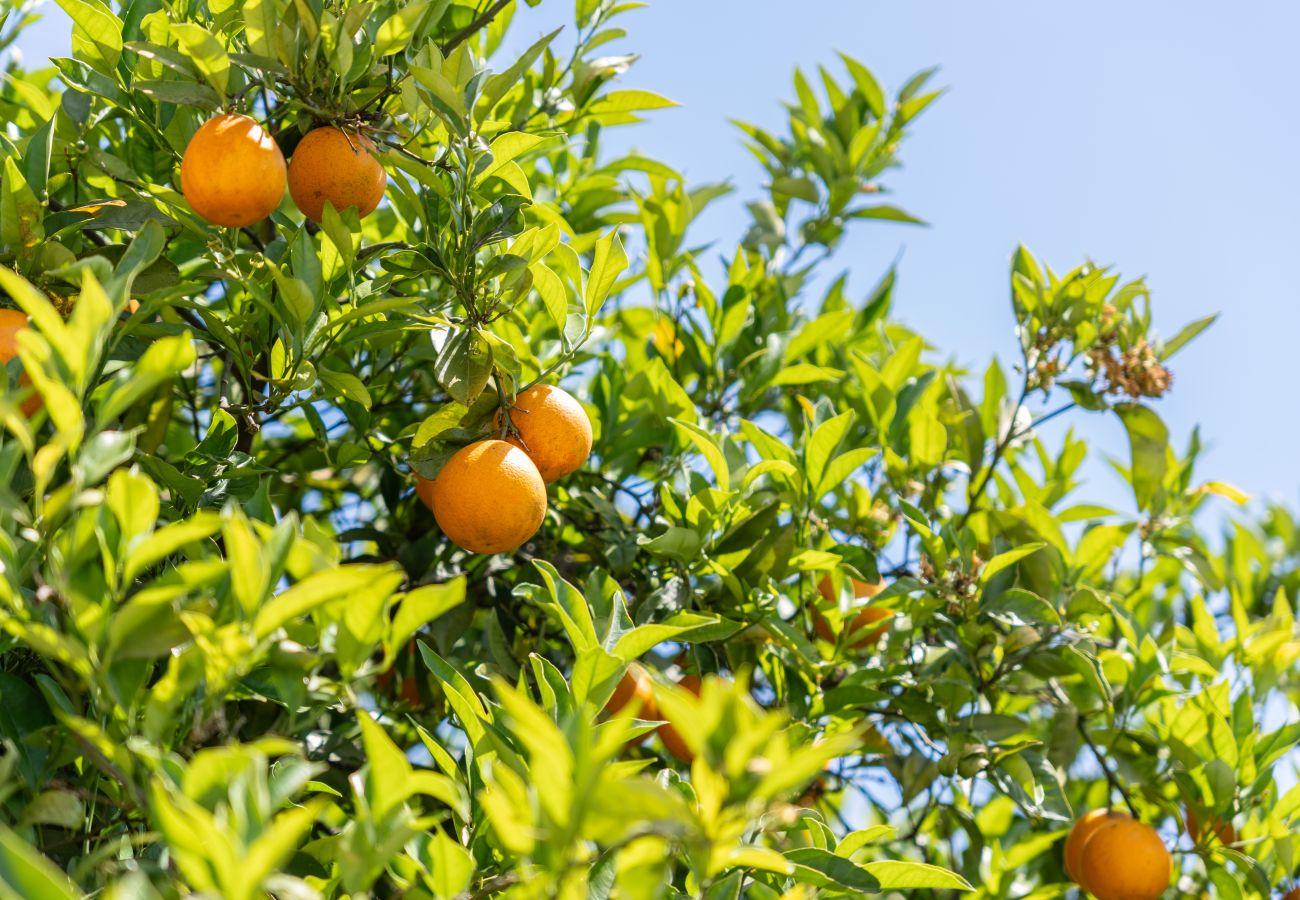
(468, 31)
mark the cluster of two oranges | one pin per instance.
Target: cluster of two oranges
(1113, 856)
(234, 174)
(490, 496)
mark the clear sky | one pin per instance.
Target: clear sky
(1158, 137)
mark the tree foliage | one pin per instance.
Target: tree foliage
(238, 658)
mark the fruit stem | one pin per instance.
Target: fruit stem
(1111, 777)
(505, 404)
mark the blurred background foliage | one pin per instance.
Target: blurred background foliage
(239, 659)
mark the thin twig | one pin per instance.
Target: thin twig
(1012, 434)
(469, 30)
(1111, 777)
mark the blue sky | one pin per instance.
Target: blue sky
(1161, 139)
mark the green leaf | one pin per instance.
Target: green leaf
(901, 874)
(841, 467)
(867, 85)
(1148, 446)
(208, 55)
(824, 442)
(21, 228)
(508, 147)
(628, 101)
(609, 262)
(96, 34)
(763, 858)
(825, 869)
(160, 363)
(464, 365)
(399, 29)
(320, 588)
(1186, 335)
(927, 438)
(387, 771)
(26, 873)
(421, 606)
(708, 446)
(887, 213)
(347, 385)
(452, 865)
(550, 288)
(801, 188)
(1010, 558)
(260, 23)
(61, 808)
(571, 607)
(806, 373)
(680, 544)
(183, 93)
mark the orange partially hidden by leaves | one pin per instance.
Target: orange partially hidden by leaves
(553, 429)
(672, 738)
(634, 693)
(1079, 835)
(233, 172)
(1217, 826)
(488, 498)
(330, 164)
(408, 686)
(859, 635)
(1124, 859)
(1293, 894)
(13, 321)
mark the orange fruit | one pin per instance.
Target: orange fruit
(1293, 894)
(339, 166)
(813, 794)
(1079, 835)
(13, 321)
(635, 687)
(408, 687)
(1124, 859)
(859, 635)
(1217, 826)
(671, 737)
(233, 172)
(424, 490)
(488, 498)
(553, 430)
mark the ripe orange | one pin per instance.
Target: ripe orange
(232, 172)
(859, 635)
(671, 737)
(13, 321)
(1124, 859)
(408, 687)
(1293, 894)
(1079, 835)
(553, 429)
(488, 498)
(1217, 826)
(424, 490)
(635, 687)
(339, 166)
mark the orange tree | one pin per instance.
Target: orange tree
(369, 430)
